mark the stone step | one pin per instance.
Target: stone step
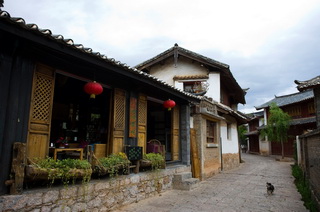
(184, 181)
(182, 176)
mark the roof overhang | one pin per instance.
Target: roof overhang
(41, 44)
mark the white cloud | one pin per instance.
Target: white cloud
(268, 44)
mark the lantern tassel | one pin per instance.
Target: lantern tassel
(92, 96)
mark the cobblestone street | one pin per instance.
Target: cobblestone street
(241, 189)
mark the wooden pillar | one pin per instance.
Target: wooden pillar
(195, 162)
(17, 168)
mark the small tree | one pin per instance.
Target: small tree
(242, 130)
(277, 126)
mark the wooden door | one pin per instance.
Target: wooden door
(195, 160)
(40, 112)
(118, 121)
(142, 122)
(175, 137)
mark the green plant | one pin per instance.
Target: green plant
(242, 130)
(304, 188)
(156, 159)
(113, 163)
(66, 170)
(277, 126)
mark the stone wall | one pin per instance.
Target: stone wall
(212, 163)
(97, 195)
(312, 162)
(230, 161)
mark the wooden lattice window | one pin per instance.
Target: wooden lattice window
(42, 98)
(119, 122)
(142, 112)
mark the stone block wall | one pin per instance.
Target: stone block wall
(97, 195)
(313, 161)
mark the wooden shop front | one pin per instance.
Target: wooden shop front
(43, 100)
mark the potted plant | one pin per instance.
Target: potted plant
(155, 160)
(66, 170)
(112, 164)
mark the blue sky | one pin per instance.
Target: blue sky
(267, 44)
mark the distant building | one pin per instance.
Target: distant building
(254, 124)
(300, 106)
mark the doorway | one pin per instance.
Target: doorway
(159, 126)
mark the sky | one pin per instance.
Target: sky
(267, 43)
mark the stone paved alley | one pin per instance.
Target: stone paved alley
(241, 189)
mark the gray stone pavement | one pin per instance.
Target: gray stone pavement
(240, 189)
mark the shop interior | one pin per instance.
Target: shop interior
(159, 126)
(77, 119)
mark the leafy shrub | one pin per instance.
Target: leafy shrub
(114, 162)
(156, 159)
(304, 188)
(64, 169)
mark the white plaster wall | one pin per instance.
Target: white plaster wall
(179, 85)
(265, 145)
(184, 67)
(261, 121)
(229, 145)
(214, 86)
(191, 122)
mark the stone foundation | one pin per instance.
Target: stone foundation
(211, 171)
(230, 161)
(97, 195)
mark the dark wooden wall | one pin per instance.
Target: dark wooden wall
(15, 89)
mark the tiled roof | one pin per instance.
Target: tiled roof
(288, 99)
(303, 85)
(33, 28)
(186, 51)
(228, 109)
(255, 115)
(293, 122)
(224, 68)
(303, 121)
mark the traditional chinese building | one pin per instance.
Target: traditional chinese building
(43, 99)
(215, 120)
(300, 106)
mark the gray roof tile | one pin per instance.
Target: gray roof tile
(303, 85)
(288, 99)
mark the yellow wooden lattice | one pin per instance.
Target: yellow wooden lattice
(42, 98)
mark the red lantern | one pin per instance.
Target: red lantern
(169, 104)
(93, 88)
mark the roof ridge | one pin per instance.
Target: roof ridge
(293, 94)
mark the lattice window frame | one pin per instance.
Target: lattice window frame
(142, 112)
(42, 98)
(120, 110)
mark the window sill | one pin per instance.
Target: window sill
(212, 145)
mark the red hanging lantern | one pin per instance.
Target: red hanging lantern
(169, 104)
(93, 88)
